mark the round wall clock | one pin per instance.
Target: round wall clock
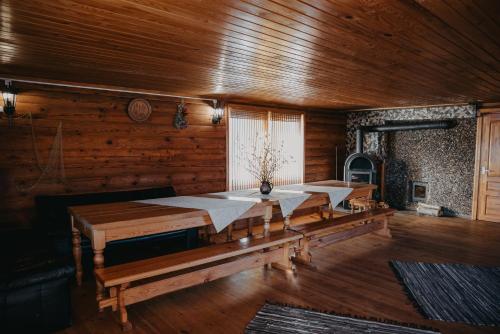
(139, 110)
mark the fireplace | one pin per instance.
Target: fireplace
(419, 191)
(360, 167)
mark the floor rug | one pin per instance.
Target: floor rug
(273, 318)
(453, 292)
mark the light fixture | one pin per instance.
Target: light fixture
(218, 113)
(9, 101)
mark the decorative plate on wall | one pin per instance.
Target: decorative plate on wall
(139, 110)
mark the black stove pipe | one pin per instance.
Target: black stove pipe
(399, 127)
(359, 140)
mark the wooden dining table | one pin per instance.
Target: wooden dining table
(102, 223)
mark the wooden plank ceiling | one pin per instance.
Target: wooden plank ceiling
(317, 54)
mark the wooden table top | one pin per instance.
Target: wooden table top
(111, 215)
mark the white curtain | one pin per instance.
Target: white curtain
(286, 131)
(248, 129)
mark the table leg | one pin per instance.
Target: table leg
(250, 227)
(330, 211)
(98, 244)
(229, 232)
(268, 214)
(77, 252)
(207, 234)
(286, 223)
(320, 211)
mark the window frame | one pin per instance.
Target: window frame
(268, 110)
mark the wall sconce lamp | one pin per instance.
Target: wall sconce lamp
(218, 113)
(9, 101)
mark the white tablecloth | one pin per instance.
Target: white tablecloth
(222, 211)
(336, 194)
(288, 201)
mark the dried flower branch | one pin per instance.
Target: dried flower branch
(261, 159)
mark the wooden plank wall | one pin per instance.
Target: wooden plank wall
(104, 150)
(325, 146)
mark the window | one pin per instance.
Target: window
(249, 128)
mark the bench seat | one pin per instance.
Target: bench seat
(181, 270)
(324, 233)
(327, 226)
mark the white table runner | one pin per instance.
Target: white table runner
(288, 201)
(222, 212)
(336, 194)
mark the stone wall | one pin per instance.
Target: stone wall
(442, 157)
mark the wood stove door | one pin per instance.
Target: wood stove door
(489, 169)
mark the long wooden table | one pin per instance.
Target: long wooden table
(102, 223)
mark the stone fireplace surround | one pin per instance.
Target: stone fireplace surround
(443, 158)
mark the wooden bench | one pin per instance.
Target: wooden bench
(362, 204)
(324, 233)
(141, 280)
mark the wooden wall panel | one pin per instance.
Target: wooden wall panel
(104, 150)
(325, 148)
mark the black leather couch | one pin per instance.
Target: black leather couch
(37, 265)
(34, 284)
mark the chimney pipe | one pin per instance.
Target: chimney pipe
(409, 126)
(359, 140)
(403, 126)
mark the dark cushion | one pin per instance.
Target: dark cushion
(52, 210)
(28, 258)
(40, 306)
(34, 284)
(53, 216)
(47, 273)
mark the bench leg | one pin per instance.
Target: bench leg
(304, 256)
(126, 325)
(112, 294)
(98, 264)
(385, 231)
(286, 263)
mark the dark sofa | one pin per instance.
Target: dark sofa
(38, 263)
(34, 284)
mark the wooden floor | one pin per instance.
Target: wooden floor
(352, 277)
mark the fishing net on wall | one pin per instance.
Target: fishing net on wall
(53, 169)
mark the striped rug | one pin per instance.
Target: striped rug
(279, 319)
(453, 292)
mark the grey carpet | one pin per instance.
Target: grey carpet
(278, 319)
(453, 292)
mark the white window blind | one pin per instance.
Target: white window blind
(248, 129)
